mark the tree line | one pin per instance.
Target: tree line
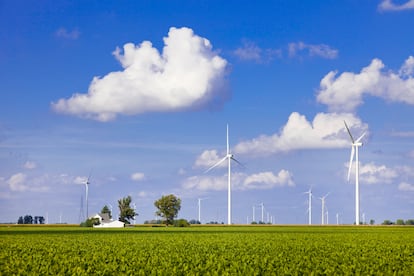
(398, 222)
(28, 219)
(167, 208)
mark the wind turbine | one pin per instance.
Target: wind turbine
(310, 205)
(229, 156)
(199, 208)
(262, 205)
(86, 193)
(323, 207)
(355, 145)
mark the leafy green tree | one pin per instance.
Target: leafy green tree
(126, 213)
(28, 219)
(181, 223)
(106, 210)
(387, 222)
(399, 222)
(168, 207)
(409, 222)
(20, 220)
(90, 222)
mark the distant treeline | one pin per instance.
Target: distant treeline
(398, 222)
(28, 219)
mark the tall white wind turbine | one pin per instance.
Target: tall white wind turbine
(229, 156)
(323, 207)
(310, 206)
(354, 150)
(86, 193)
(199, 209)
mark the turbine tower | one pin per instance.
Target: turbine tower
(323, 207)
(262, 205)
(86, 193)
(354, 150)
(228, 157)
(310, 205)
(199, 209)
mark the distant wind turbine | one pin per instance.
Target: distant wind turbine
(310, 206)
(262, 205)
(199, 208)
(323, 207)
(355, 145)
(86, 193)
(228, 157)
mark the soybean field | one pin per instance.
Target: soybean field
(207, 250)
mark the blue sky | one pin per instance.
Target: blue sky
(140, 93)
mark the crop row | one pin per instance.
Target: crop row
(208, 251)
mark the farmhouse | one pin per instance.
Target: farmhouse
(106, 222)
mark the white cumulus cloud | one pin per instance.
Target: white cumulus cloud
(372, 173)
(208, 158)
(344, 93)
(268, 180)
(137, 176)
(187, 75)
(327, 130)
(19, 182)
(240, 181)
(389, 5)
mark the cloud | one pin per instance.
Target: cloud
(19, 183)
(80, 180)
(208, 158)
(388, 5)
(268, 180)
(345, 92)
(64, 33)
(137, 176)
(249, 51)
(313, 50)
(187, 75)
(372, 174)
(240, 181)
(326, 131)
(30, 165)
(406, 187)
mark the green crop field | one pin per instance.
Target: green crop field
(222, 250)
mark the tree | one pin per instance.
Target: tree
(399, 222)
(125, 211)
(168, 207)
(106, 210)
(20, 220)
(28, 219)
(387, 222)
(371, 221)
(409, 222)
(90, 222)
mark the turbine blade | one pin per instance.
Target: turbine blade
(350, 162)
(228, 147)
(349, 132)
(215, 165)
(360, 137)
(235, 160)
(89, 177)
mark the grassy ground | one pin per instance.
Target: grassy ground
(207, 250)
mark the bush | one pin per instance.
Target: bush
(90, 222)
(181, 223)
